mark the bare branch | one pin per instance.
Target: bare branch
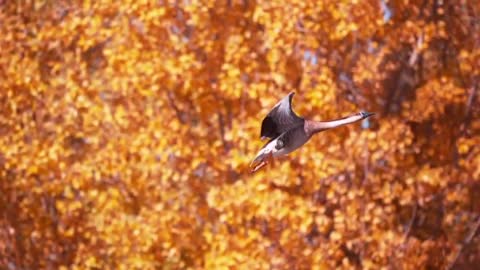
(416, 51)
(221, 124)
(412, 221)
(178, 112)
(465, 243)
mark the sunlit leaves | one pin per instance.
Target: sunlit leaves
(433, 99)
(127, 127)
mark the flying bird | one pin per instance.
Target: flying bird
(288, 131)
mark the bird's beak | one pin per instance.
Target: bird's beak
(257, 160)
(257, 163)
(258, 166)
(260, 161)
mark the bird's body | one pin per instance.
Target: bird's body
(287, 131)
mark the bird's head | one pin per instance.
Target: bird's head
(365, 114)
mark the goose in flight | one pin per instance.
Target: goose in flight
(287, 131)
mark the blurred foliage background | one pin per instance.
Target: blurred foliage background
(127, 127)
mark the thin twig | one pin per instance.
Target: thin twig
(178, 112)
(412, 221)
(416, 51)
(470, 101)
(471, 97)
(465, 243)
(221, 125)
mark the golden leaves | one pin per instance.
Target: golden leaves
(126, 130)
(433, 98)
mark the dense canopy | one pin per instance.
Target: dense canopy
(127, 128)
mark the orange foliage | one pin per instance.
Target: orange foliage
(127, 127)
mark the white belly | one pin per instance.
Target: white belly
(291, 143)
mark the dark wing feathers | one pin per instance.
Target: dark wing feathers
(280, 119)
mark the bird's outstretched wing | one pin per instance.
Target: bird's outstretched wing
(280, 119)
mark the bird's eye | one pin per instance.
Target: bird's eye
(279, 144)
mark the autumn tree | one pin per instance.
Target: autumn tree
(127, 128)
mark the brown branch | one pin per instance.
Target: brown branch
(470, 100)
(221, 124)
(465, 243)
(468, 110)
(178, 112)
(416, 51)
(412, 221)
